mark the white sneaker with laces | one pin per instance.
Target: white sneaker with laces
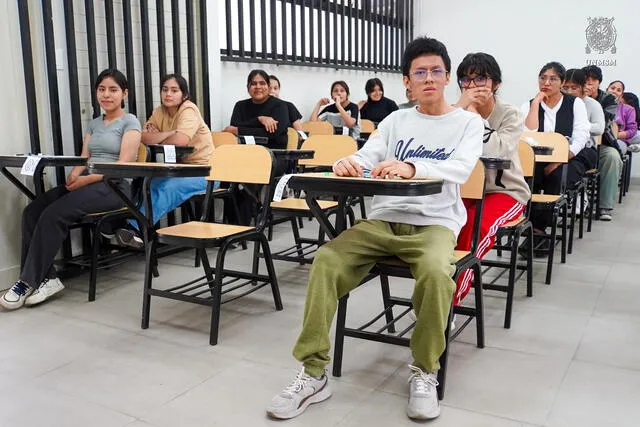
(47, 289)
(15, 297)
(302, 392)
(423, 396)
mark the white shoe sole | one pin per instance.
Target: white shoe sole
(430, 416)
(7, 305)
(320, 396)
(37, 298)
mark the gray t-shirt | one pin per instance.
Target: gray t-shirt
(105, 141)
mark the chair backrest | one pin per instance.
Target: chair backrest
(223, 138)
(367, 126)
(527, 159)
(615, 128)
(143, 153)
(318, 128)
(473, 188)
(550, 139)
(247, 164)
(328, 149)
(293, 138)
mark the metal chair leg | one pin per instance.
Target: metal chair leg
(95, 252)
(386, 296)
(275, 290)
(338, 345)
(148, 279)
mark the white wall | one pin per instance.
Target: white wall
(15, 139)
(524, 35)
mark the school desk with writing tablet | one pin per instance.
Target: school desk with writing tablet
(44, 161)
(324, 183)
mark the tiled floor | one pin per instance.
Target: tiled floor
(570, 359)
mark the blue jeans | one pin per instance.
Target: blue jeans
(169, 193)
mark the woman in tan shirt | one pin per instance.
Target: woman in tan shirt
(176, 122)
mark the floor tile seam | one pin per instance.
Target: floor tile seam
(562, 382)
(355, 408)
(502, 417)
(509, 350)
(608, 365)
(92, 402)
(622, 318)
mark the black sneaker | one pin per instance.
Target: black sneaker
(129, 238)
(541, 247)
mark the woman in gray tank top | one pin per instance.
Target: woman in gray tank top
(112, 137)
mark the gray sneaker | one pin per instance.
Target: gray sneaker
(302, 392)
(47, 289)
(129, 238)
(423, 396)
(14, 298)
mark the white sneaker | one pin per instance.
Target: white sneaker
(423, 396)
(47, 289)
(605, 214)
(302, 392)
(15, 297)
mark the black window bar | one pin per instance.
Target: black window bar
(350, 34)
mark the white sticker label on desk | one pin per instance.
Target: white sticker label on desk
(29, 165)
(282, 184)
(169, 153)
(302, 134)
(345, 130)
(249, 140)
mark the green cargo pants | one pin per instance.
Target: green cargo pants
(343, 262)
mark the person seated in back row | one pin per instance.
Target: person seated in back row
(574, 84)
(262, 114)
(376, 107)
(610, 160)
(112, 137)
(338, 110)
(295, 118)
(421, 231)
(625, 117)
(176, 122)
(411, 100)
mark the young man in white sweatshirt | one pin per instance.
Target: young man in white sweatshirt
(432, 140)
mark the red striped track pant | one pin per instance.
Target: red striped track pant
(498, 209)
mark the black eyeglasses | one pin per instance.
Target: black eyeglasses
(478, 81)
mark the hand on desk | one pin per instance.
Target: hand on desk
(231, 129)
(269, 123)
(347, 167)
(386, 169)
(393, 169)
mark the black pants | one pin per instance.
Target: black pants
(552, 183)
(46, 221)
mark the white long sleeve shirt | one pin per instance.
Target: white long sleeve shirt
(580, 136)
(444, 147)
